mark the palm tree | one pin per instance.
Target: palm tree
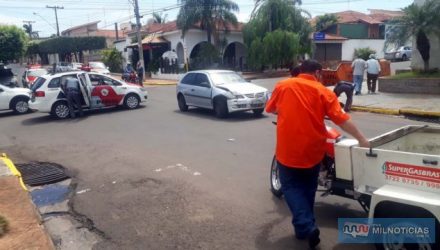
(258, 3)
(208, 13)
(159, 18)
(419, 21)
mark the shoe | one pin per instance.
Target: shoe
(314, 238)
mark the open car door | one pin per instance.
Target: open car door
(85, 90)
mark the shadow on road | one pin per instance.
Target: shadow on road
(209, 114)
(7, 114)
(87, 114)
(326, 215)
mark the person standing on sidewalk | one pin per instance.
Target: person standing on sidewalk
(301, 104)
(358, 66)
(373, 70)
(140, 72)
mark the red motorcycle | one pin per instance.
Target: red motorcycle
(327, 173)
(131, 77)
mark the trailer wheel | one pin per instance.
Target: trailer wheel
(394, 210)
(275, 184)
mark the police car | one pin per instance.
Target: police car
(14, 98)
(97, 90)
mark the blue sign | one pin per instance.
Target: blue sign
(382, 230)
(318, 36)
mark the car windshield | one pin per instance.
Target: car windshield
(219, 78)
(37, 72)
(97, 65)
(37, 84)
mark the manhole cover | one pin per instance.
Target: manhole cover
(41, 173)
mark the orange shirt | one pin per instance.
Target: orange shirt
(301, 104)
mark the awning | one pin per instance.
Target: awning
(150, 39)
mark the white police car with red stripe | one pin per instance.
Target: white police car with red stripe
(97, 91)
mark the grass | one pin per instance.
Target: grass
(412, 74)
(3, 226)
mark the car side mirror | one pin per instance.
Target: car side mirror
(205, 84)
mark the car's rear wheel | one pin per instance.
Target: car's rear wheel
(131, 101)
(182, 103)
(20, 105)
(60, 110)
(258, 112)
(221, 108)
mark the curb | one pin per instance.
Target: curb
(13, 169)
(409, 112)
(419, 113)
(160, 84)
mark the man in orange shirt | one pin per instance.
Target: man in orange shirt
(301, 104)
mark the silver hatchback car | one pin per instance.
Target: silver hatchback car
(223, 91)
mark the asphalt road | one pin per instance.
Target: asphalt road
(156, 178)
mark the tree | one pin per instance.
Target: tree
(364, 53)
(210, 14)
(325, 21)
(419, 21)
(281, 16)
(113, 59)
(258, 3)
(12, 42)
(159, 18)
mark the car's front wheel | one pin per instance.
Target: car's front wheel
(258, 112)
(131, 101)
(221, 108)
(60, 110)
(182, 103)
(20, 105)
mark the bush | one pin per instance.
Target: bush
(207, 57)
(364, 53)
(113, 59)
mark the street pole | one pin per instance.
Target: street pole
(55, 8)
(138, 35)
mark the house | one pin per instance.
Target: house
(91, 29)
(352, 31)
(162, 37)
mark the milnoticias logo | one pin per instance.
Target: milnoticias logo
(356, 229)
(376, 230)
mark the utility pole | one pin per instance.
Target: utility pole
(138, 34)
(116, 30)
(55, 8)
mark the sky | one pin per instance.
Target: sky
(77, 12)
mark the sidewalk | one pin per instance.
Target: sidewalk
(25, 225)
(396, 104)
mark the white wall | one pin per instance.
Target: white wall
(349, 46)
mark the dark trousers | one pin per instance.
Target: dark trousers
(74, 99)
(346, 88)
(141, 78)
(371, 82)
(299, 187)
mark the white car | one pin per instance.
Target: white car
(223, 91)
(15, 99)
(98, 67)
(98, 91)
